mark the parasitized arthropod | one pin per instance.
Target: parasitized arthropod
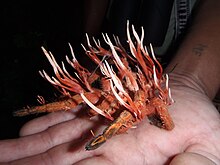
(132, 86)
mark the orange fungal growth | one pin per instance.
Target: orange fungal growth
(132, 86)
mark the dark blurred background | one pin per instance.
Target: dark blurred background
(25, 27)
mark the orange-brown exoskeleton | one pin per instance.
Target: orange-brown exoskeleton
(132, 86)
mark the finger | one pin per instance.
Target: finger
(191, 158)
(42, 123)
(62, 154)
(95, 161)
(41, 142)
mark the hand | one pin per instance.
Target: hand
(59, 138)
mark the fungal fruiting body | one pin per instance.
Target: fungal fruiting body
(132, 86)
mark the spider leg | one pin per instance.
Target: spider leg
(63, 105)
(163, 114)
(122, 124)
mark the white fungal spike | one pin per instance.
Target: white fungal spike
(45, 76)
(155, 76)
(103, 35)
(97, 43)
(170, 96)
(73, 55)
(114, 53)
(88, 42)
(84, 48)
(152, 52)
(50, 59)
(142, 37)
(66, 72)
(140, 41)
(131, 44)
(115, 79)
(135, 34)
(117, 96)
(99, 111)
(167, 81)
(104, 71)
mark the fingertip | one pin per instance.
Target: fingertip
(42, 123)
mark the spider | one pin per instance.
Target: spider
(132, 86)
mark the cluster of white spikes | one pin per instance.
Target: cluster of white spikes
(115, 83)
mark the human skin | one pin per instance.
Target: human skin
(59, 138)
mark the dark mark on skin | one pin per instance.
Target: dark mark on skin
(199, 49)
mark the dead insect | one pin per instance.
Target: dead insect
(132, 86)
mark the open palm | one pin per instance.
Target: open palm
(59, 138)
